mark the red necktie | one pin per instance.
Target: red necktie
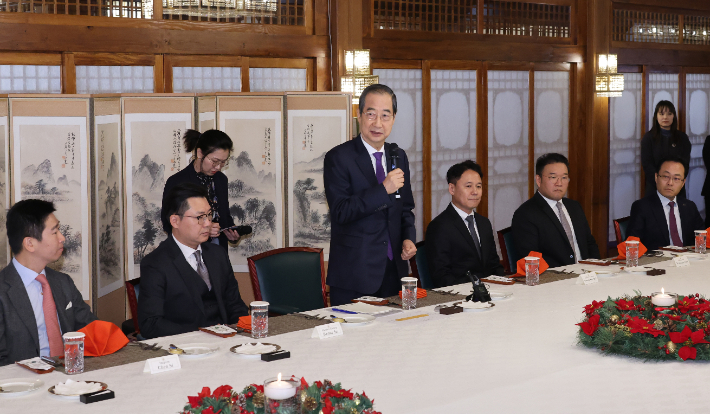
(675, 238)
(54, 334)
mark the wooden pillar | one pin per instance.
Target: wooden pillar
(346, 30)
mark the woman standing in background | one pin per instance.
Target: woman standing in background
(210, 153)
(663, 140)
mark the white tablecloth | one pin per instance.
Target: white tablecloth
(520, 357)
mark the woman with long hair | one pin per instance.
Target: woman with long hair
(662, 141)
(210, 153)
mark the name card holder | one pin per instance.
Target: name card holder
(587, 278)
(327, 331)
(681, 261)
(162, 364)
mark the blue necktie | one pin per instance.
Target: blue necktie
(380, 174)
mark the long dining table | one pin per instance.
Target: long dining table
(520, 356)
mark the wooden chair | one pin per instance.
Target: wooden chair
(620, 226)
(291, 279)
(420, 267)
(133, 291)
(507, 250)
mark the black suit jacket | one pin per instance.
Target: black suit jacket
(706, 160)
(653, 152)
(18, 327)
(362, 216)
(648, 221)
(189, 175)
(451, 251)
(169, 302)
(536, 228)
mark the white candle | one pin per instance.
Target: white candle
(279, 390)
(663, 299)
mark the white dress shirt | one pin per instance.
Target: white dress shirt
(553, 206)
(666, 211)
(371, 150)
(34, 292)
(189, 253)
(463, 215)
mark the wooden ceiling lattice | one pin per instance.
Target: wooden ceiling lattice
(696, 30)
(642, 26)
(450, 16)
(109, 8)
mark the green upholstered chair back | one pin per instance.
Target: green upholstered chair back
(420, 267)
(620, 226)
(291, 279)
(507, 250)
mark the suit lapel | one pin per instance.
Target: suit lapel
(18, 296)
(552, 216)
(186, 272)
(481, 237)
(462, 228)
(364, 162)
(684, 216)
(660, 215)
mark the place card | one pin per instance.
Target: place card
(327, 331)
(681, 261)
(162, 364)
(587, 278)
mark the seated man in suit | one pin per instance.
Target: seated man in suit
(187, 283)
(550, 224)
(655, 220)
(458, 240)
(37, 304)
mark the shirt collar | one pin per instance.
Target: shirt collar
(462, 213)
(550, 201)
(370, 149)
(665, 200)
(187, 251)
(27, 275)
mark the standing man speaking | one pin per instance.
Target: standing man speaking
(372, 224)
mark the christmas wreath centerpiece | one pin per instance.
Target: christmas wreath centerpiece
(632, 325)
(318, 397)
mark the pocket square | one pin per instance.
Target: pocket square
(68, 306)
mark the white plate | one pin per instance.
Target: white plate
(605, 273)
(20, 386)
(476, 306)
(357, 320)
(500, 295)
(197, 350)
(639, 270)
(270, 348)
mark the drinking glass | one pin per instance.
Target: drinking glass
(632, 253)
(532, 270)
(73, 352)
(259, 319)
(701, 237)
(282, 395)
(409, 293)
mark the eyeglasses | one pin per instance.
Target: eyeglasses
(554, 178)
(209, 216)
(218, 162)
(676, 180)
(384, 117)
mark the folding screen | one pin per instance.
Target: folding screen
(4, 177)
(255, 171)
(50, 161)
(697, 92)
(316, 123)
(153, 127)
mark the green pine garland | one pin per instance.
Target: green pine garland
(632, 325)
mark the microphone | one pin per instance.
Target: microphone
(394, 156)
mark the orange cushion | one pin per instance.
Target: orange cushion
(421, 293)
(244, 323)
(102, 338)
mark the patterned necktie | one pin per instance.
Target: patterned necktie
(566, 226)
(380, 174)
(675, 237)
(202, 270)
(472, 230)
(54, 334)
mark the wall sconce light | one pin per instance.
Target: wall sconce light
(608, 82)
(357, 73)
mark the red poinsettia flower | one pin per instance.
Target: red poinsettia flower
(304, 383)
(328, 407)
(589, 309)
(223, 391)
(623, 304)
(197, 401)
(260, 388)
(697, 337)
(210, 410)
(687, 303)
(338, 394)
(319, 384)
(590, 326)
(677, 318)
(639, 325)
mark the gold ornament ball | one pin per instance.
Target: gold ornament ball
(258, 399)
(658, 324)
(310, 403)
(614, 318)
(671, 346)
